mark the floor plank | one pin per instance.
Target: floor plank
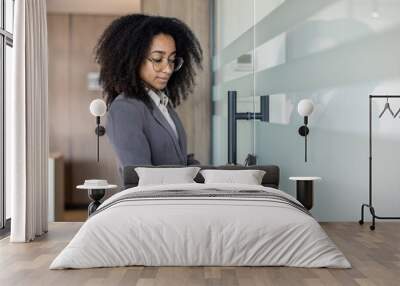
(375, 257)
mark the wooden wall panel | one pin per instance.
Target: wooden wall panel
(195, 112)
(93, 7)
(71, 42)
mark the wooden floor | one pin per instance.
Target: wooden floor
(375, 257)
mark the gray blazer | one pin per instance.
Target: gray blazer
(141, 136)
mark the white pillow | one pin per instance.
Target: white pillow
(162, 176)
(248, 177)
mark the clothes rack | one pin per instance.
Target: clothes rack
(370, 205)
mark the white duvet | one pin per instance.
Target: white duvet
(200, 231)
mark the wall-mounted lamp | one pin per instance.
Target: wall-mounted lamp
(98, 108)
(305, 108)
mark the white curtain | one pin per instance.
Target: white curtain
(27, 148)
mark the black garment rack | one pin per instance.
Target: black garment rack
(369, 205)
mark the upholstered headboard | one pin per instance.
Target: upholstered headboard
(270, 179)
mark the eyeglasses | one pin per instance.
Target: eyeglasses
(159, 64)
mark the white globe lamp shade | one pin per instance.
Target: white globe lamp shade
(98, 107)
(305, 107)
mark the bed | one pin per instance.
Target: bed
(198, 224)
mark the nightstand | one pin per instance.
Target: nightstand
(96, 191)
(305, 190)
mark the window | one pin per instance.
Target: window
(6, 62)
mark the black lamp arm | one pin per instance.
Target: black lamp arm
(100, 131)
(304, 131)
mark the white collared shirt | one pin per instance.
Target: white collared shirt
(161, 102)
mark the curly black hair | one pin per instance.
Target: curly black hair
(124, 45)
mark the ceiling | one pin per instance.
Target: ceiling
(98, 7)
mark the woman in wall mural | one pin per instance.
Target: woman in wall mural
(147, 68)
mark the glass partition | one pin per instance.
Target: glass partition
(233, 69)
(334, 52)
